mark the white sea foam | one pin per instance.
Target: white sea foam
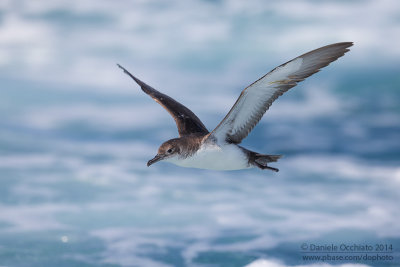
(317, 102)
(200, 206)
(115, 117)
(28, 218)
(49, 51)
(225, 207)
(346, 167)
(205, 60)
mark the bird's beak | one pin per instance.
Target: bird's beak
(154, 160)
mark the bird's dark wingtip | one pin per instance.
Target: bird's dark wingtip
(130, 75)
(349, 44)
(122, 68)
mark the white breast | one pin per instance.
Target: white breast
(215, 157)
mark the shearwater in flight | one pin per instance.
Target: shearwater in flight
(219, 149)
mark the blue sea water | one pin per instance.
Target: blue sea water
(76, 133)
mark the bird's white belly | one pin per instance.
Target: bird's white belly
(214, 157)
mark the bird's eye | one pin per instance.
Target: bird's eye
(169, 151)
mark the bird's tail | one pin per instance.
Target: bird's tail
(261, 160)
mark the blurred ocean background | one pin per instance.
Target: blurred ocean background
(76, 133)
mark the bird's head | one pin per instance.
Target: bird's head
(167, 150)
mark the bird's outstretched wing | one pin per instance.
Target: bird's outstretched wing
(186, 121)
(255, 100)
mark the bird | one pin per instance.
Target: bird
(219, 149)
